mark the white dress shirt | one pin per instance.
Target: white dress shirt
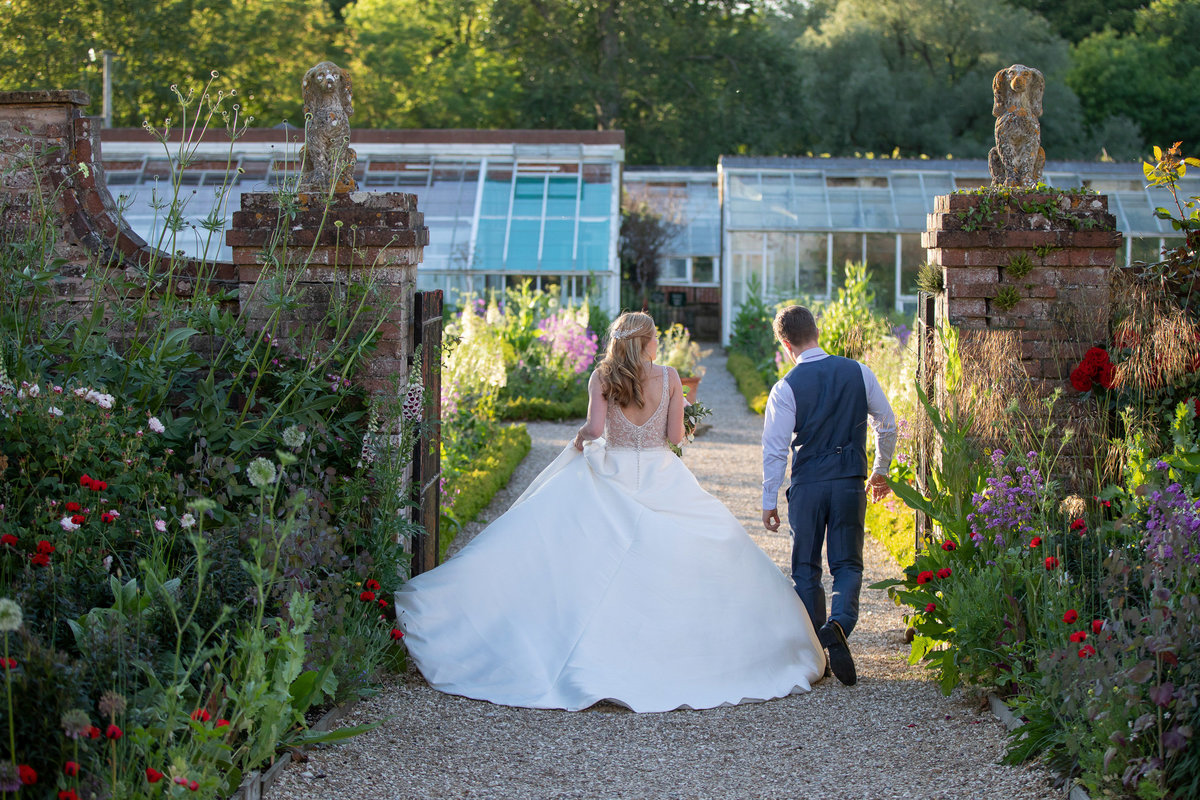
(780, 424)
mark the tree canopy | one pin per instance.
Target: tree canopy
(686, 79)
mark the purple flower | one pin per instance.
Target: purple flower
(1009, 504)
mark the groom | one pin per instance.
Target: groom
(821, 409)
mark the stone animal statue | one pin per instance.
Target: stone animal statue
(1018, 157)
(326, 159)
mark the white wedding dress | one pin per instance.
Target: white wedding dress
(613, 577)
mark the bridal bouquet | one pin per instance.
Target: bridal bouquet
(693, 414)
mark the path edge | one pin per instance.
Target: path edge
(1005, 715)
(256, 785)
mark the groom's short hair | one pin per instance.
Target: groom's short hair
(795, 325)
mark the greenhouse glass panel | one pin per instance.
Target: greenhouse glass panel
(846, 247)
(561, 196)
(558, 244)
(528, 196)
(910, 201)
(813, 255)
(593, 245)
(497, 191)
(1138, 213)
(877, 210)
(489, 244)
(704, 270)
(780, 277)
(523, 239)
(745, 201)
(597, 191)
(811, 203)
(777, 202)
(881, 268)
(912, 256)
(1146, 250)
(843, 205)
(937, 183)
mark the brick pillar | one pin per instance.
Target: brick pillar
(325, 248)
(1037, 264)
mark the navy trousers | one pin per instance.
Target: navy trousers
(834, 513)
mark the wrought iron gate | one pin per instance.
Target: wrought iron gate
(427, 456)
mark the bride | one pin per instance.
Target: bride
(614, 576)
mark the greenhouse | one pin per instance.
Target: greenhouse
(501, 206)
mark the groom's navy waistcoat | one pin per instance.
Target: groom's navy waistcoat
(830, 439)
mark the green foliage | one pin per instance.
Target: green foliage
(1006, 298)
(749, 381)
(849, 326)
(931, 278)
(473, 488)
(752, 333)
(539, 408)
(891, 524)
(1019, 266)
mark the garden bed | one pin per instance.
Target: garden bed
(472, 490)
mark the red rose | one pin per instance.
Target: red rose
(68, 794)
(944, 572)
(948, 545)
(93, 732)
(397, 634)
(1107, 376)
(27, 774)
(1079, 526)
(367, 597)
(373, 585)
(9, 540)
(39, 559)
(45, 548)
(1087, 650)
(73, 507)
(925, 577)
(71, 768)
(1051, 562)
(201, 715)
(1097, 626)
(153, 775)
(1070, 616)
(1081, 380)
(1095, 358)
(113, 732)
(932, 607)
(1078, 636)
(1035, 541)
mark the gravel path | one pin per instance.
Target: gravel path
(891, 736)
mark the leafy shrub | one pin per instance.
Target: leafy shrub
(749, 381)
(474, 487)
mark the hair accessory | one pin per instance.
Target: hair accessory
(622, 334)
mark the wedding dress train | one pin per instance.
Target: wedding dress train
(614, 576)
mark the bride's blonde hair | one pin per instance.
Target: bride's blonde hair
(621, 369)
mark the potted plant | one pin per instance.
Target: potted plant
(676, 349)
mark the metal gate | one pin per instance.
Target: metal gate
(927, 376)
(427, 455)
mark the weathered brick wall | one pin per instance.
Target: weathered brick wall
(52, 180)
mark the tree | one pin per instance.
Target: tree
(646, 232)
(917, 75)
(1150, 76)
(432, 65)
(1075, 20)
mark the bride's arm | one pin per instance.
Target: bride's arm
(675, 432)
(597, 411)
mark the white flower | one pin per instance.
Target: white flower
(293, 437)
(34, 390)
(10, 615)
(55, 411)
(107, 562)
(160, 526)
(82, 392)
(187, 520)
(67, 525)
(261, 473)
(155, 425)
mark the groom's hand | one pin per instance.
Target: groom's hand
(771, 519)
(878, 487)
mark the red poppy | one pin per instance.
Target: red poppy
(93, 732)
(85, 481)
(181, 781)
(925, 577)
(1078, 636)
(68, 794)
(373, 585)
(1079, 526)
(193, 786)
(107, 517)
(367, 597)
(221, 723)
(79, 519)
(1070, 616)
(45, 548)
(1051, 562)
(932, 607)
(383, 603)
(397, 634)
(944, 572)
(153, 775)
(71, 768)
(1097, 626)
(39, 559)
(8, 663)
(72, 507)
(201, 715)
(1035, 541)
(113, 732)
(100, 486)
(27, 774)
(1087, 650)
(9, 540)
(948, 545)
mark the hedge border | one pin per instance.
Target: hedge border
(749, 381)
(539, 408)
(891, 523)
(493, 467)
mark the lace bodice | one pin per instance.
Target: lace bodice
(621, 434)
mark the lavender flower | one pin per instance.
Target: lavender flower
(1009, 503)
